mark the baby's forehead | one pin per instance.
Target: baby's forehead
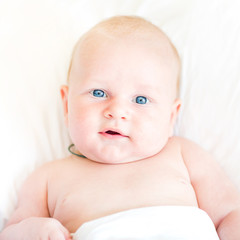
(97, 44)
(130, 30)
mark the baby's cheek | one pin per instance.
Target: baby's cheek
(156, 135)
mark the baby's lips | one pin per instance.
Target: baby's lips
(113, 132)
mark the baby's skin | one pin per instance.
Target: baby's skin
(120, 106)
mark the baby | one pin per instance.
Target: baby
(120, 106)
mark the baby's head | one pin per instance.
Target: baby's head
(120, 104)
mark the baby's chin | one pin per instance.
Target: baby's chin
(118, 154)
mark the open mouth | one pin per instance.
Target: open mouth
(112, 134)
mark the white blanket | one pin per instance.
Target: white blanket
(151, 223)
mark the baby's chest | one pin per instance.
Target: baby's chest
(100, 193)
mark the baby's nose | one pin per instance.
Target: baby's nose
(110, 115)
(117, 111)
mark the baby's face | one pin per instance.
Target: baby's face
(120, 106)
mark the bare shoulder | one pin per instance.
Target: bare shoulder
(32, 197)
(57, 166)
(180, 141)
(198, 161)
(184, 143)
(192, 153)
(215, 192)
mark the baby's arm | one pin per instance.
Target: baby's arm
(31, 219)
(215, 192)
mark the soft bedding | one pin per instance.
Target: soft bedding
(36, 40)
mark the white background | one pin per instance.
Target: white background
(36, 40)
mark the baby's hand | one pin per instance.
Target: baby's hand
(36, 228)
(47, 228)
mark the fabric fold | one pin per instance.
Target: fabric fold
(152, 223)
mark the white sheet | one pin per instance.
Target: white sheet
(36, 39)
(151, 223)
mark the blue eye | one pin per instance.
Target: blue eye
(141, 100)
(98, 93)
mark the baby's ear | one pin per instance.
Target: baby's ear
(64, 95)
(175, 111)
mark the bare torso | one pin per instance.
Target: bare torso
(80, 190)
